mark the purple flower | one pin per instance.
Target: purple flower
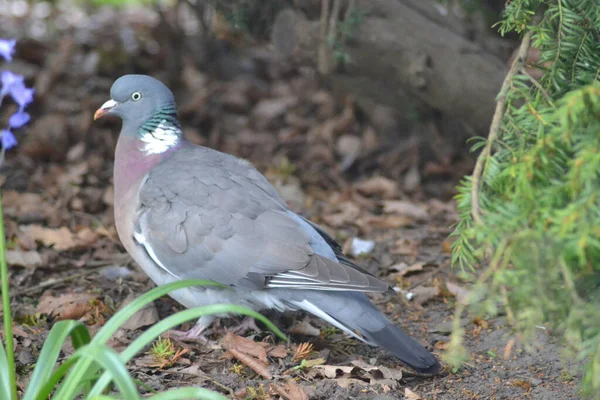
(10, 81)
(22, 95)
(8, 139)
(7, 48)
(18, 119)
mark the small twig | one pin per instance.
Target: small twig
(323, 56)
(516, 66)
(91, 268)
(538, 86)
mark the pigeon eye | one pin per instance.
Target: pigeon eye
(136, 96)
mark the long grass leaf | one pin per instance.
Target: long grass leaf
(5, 383)
(149, 335)
(189, 393)
(109, 361)
(46, 362)
(9, 352)
(123, 315)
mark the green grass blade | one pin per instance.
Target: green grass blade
(9, 352)
(107, 359)
(85, 367)
(57, 375)
(46, 362)
(5, 382)
(149, 335)
(189, 393)
(123, 315)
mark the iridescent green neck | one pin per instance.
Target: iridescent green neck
(164, 117)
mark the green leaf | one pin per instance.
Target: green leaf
(177, 319)
(108, 360)
(5, 383)
(46, 362)
(189, 393)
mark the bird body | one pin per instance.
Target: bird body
(190, 212)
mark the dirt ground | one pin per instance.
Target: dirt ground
(331, 165)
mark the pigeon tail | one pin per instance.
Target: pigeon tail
(353, 312)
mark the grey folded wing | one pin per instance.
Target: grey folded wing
(207, 215)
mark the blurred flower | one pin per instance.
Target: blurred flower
(18, 119)
(9, 81)
(7, 48)
(8, 139)
(14, 85)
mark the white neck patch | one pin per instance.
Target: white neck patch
(161, 139)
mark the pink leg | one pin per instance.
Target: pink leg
(247, 324)
(196, 333)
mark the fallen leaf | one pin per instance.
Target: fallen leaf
(145, 317)
(24, 206)
(360, 373)
(457, 291)
(27, 259)
(406, 247)
(378, 186)
(253, 363)
(332, 371)
(252, 354)
(405, 269)
(386, 221)
(422, 294)
(61, 238)
(348, 212)
(410, 395)
(291, 391)
(405, 208)
(278, 351)
(305, 328)
(66, 306)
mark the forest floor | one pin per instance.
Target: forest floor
(66, 261)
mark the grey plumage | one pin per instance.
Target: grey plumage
(198, 213)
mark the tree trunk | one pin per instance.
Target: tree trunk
(408, 45)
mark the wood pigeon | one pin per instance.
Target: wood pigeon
(189, 212)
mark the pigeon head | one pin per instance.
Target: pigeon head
(136, 99)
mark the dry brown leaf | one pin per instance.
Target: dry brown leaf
(425, 293)
(291, 391)
(24, 205)
(410, 395)
(244, 345)
(378, 186)
(278, 351)
(406, 247)
(27, 259)
(305, 328)
(405, 269)
(61, 238)
(457, 291)
(405, 208)
(145, 317)
(253, 363)
(332, 371)
(347, 214)
(386, 221)
(66, 306)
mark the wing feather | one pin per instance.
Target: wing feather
(220, 219)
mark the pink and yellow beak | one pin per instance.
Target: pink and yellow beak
(105, 108)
